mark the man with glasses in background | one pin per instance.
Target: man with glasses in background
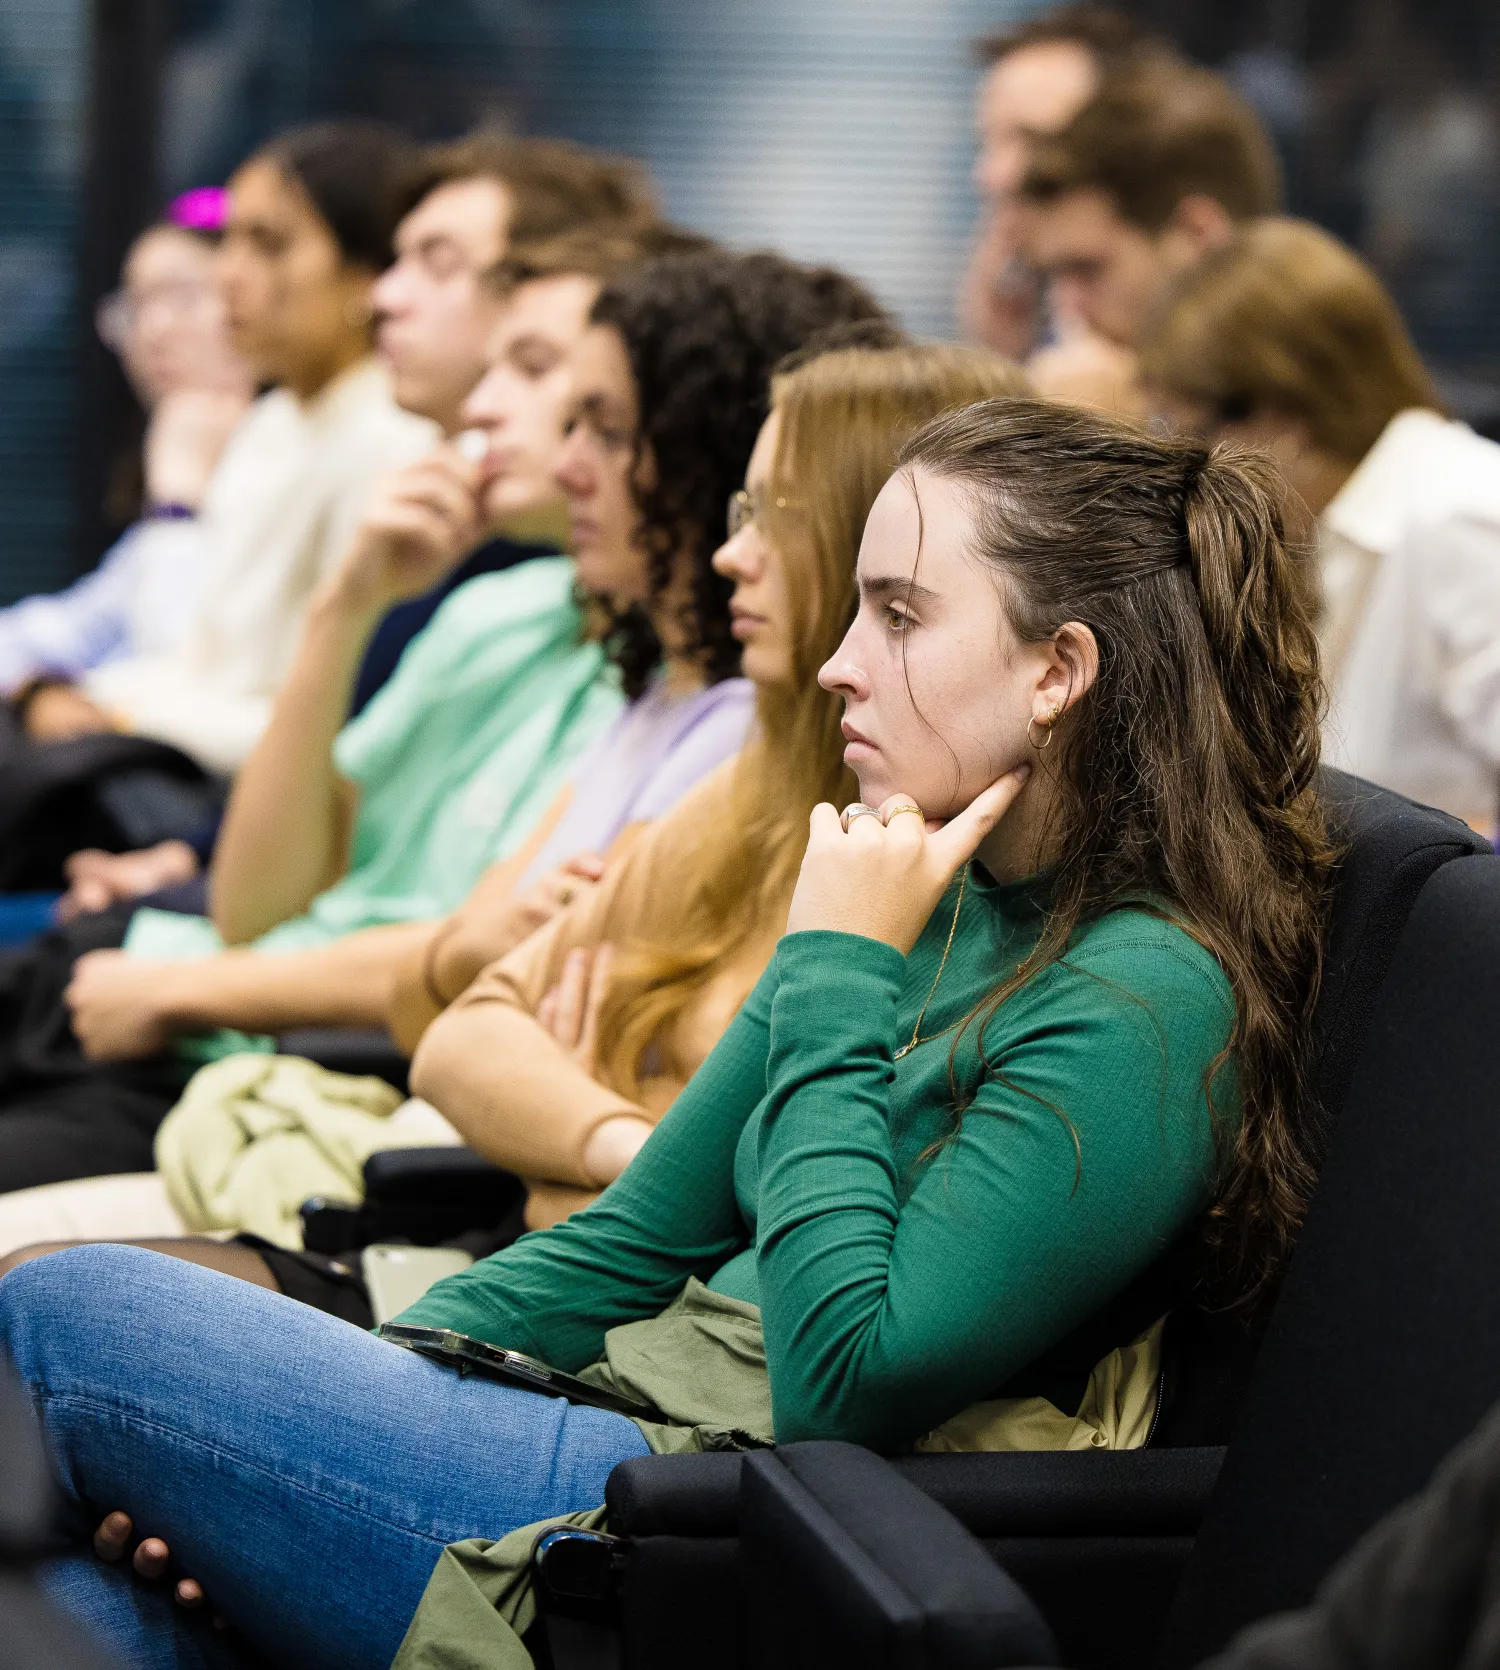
(166, 322)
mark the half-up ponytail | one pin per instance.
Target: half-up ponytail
(1185, 775)
(1257, 620)
(1256, 615)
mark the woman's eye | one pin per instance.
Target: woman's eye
(534, 366)
(896, 620)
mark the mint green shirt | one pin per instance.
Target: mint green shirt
(456, 758)
(896, 1282)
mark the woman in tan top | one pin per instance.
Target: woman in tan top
(561, 1056)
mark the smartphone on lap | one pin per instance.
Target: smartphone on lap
(512, 1368)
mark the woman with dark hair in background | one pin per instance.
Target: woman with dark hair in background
(308, 231)
(308, 228)
(671, 383)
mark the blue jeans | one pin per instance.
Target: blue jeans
(306, 1473)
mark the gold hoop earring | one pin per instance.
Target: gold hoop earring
(1051, 720)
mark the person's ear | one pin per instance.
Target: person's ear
(1201, 223)
(1068, 672)
(356, 288)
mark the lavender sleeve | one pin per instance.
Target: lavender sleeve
(716, 737)
(642, 766)
(64, 634)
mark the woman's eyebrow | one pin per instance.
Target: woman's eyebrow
(881, 586)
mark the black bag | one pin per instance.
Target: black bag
(110, 791)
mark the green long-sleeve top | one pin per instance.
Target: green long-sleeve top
(905, 1264)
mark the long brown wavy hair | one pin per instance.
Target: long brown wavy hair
(844, 415)
(1184, 777)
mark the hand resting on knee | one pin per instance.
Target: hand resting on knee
(150, 1560)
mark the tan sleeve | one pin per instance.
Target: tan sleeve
(627, 904)
(485, 1063)
(457, 947)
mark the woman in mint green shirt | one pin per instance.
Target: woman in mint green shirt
(1042, 1001)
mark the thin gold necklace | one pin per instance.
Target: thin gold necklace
(916, 1031)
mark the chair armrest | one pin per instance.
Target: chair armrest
(846, 1564)
(1070, 1492)
(676, 1495)
(422, 1195)
(1025, 1493)
(346, 1049)
(442, 1175)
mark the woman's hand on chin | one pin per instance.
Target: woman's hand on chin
(883, 877)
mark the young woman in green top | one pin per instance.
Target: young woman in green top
(1041, 1007)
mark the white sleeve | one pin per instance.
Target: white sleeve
(397, 440)
(1455, 567)
(156, 695)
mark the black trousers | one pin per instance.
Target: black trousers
(335, 1285)
(63, 1116)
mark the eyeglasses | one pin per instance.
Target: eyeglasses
(120, 313)
(746, 507)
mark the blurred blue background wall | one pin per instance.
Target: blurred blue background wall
(43, 70)
(837, 130)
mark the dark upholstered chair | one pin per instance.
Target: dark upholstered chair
(1381, 1355)
(1384, 1348)
(1120, 1528)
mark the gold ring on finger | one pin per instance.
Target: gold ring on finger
(910, 806)
(856, 809)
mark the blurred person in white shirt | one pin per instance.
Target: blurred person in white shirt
(1286, 341)
(307, 234)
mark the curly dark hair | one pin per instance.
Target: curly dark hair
(703, 332)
